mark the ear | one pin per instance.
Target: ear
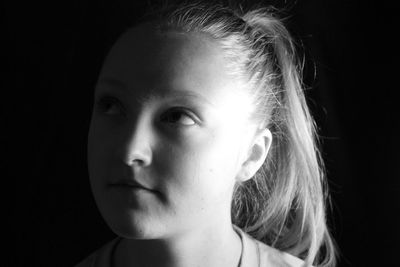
(256, 156)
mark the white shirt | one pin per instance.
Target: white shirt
(254, 254)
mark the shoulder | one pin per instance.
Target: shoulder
(100, 257)
(256, 253)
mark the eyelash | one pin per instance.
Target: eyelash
(181, 111)
(107, 100)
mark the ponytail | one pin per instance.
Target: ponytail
(287, 195)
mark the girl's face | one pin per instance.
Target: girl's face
(168, 135)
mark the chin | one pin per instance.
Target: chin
(136, 226)
(131, 217)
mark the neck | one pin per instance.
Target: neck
(212, 246)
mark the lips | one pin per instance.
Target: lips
(130, 184)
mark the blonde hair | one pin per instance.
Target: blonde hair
(284, 204)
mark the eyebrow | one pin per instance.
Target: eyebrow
(117, 84)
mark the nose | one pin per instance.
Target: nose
(136, 145)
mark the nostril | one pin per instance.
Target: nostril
(137, 162)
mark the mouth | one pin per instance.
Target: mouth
(130, 184)
(133, 187)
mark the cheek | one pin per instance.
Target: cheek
(199, 170)
(98, 152)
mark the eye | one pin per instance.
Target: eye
(180, 116)
(109, 105)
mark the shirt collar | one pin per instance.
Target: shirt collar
(250, 250)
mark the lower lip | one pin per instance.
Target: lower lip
(131, 197)
(130, 188)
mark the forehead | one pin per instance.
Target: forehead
(147, 58)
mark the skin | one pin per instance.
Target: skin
(187, 159)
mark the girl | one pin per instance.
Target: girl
(201, 149)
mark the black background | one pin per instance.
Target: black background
(51, 55)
